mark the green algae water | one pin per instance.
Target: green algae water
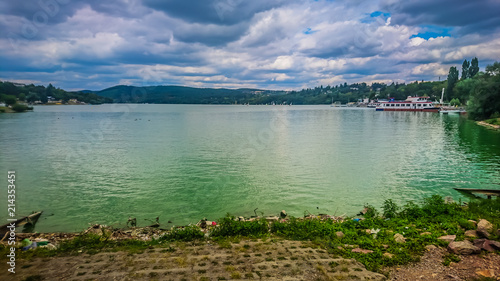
(102, 164)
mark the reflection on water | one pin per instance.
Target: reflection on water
(102, 164)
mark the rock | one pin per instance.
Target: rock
(487, 245)
(425, 233)
(488, 273)
(430, 247)
(484, 228)
(463, 248)
(363, 251)
(272, 219)
(453, 277)
(49, 246)
(388, 255)
(473, 222)
(483, 244)
(241, 218)
(283, 214)
(385, 246)
(399, 238)
(448, 200)
(495, 245)
(97, 229)
(471, 233)
(448, 238)
(368, 231)
(340, 234)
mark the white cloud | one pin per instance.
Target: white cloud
(296, 44)
(434, 68)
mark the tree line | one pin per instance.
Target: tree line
(480, 91)
(31, 94)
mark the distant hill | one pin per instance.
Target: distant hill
(182, 95)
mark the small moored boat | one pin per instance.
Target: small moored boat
(28, 223)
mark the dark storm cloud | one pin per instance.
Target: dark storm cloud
(40, 12)
(49, 12)
(470, 16)
(93, 44)
(209, 34)
(223, 12)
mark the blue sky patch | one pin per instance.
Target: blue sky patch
(373, 16)
(309, 31)
(379, 13)
(433, 31)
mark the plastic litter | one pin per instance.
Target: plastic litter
(31, 246)
(26, 242)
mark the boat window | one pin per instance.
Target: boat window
(397, 104)
(407, 104)
(392, 104)
(418, 104)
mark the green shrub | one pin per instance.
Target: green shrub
(228, 226)
(449, 258)
(390, 209)
(188, 233)
(412, 211)
(371, 211)
(21, 107)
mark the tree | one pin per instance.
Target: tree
(32, 97)
(9, 99)
(493, 69)
(485, 101)
(452, 80)
(464, 89)
(455, 102)
(474, 68)
(465, 69)
(43, 98)
(21, 107)
(49, 91)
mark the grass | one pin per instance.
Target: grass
(432, 215)
(449, 258)
(493, 121)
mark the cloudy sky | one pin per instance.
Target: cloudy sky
(273, 44)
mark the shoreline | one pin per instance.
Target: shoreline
(380, 243)
(488, 125)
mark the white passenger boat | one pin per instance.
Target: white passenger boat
(410, 104)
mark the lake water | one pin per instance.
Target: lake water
(102, 164)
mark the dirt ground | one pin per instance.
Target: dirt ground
(431, 268)
(249, 260)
